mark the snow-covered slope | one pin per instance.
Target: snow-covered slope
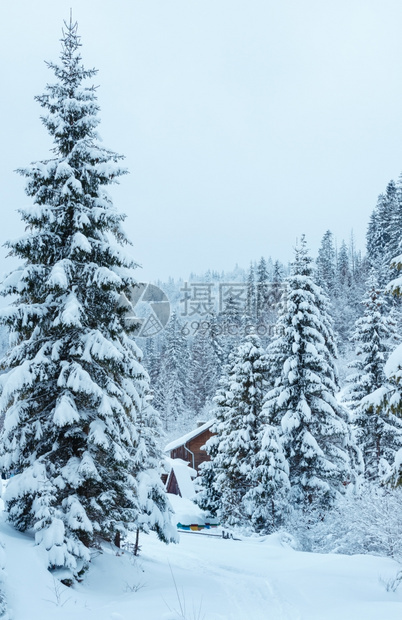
(205, 578)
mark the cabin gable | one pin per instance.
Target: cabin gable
(188, 447)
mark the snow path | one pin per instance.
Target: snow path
(261, 578)
(257, 579)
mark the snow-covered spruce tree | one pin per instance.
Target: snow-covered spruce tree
(250, 307)
(230, 322)
(155, 512)
(262, 289)
(326, 263)
(388, 398)
(330, 352)
(314, 430)
(208, 496)
(171, 386)
(204, 371)
(152, 358)
(374, 336)
(215, 337)
(73, 385)
(276, 286)
(345, 307)
(383, 232)
(243, 443)
(267, 499)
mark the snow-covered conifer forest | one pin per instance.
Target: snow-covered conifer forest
(294, 369)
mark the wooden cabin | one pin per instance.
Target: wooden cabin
(188, 447)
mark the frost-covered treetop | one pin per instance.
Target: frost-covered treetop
(72, 211)
(77, 113)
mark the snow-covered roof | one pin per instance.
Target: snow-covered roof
(184, 474)
(186, 438)
(174, 463)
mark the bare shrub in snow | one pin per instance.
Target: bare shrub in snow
(369, 521)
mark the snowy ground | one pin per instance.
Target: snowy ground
(216, 579)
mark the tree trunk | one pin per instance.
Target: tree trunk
(137, 540)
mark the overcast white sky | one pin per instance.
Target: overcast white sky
(244, 122)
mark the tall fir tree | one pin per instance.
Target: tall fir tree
(326, 264)
(314, 429)
(388, 397)
(204, 370)
(342, 275)
(375, 335)
(275, 297)
(276, 287)
(231, 326)
(251, 294)
(383, 232)
(240, 493)
(171, 391)
(346, 297)
(73, 388)
(343, 270)
(152, 358)
(262, 289)
(155, 511)
(215, 338)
